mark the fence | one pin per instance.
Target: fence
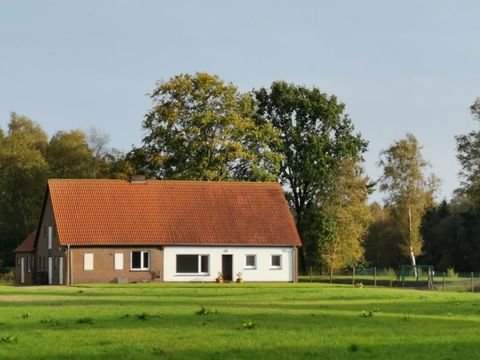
(423, 277)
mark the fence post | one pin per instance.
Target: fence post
(375, 276)
(310, 274)
(471, 281)
(353, 275)
(444, 281)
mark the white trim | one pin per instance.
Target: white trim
(50, 270)
(118, 261)
(50, 237)
(142, 267)
(60, 270)
(22, 270)
(88, 264)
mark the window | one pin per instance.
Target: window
(50, 237)
(276, 261)
(29, 269)
(140, 260)
(250, 262)
(88, 262)
(192, 264)
(118, 262)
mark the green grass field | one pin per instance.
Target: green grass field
(242, 321)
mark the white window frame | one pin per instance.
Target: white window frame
(50, 237)
(199, 272)
(118, 261)
(271, 262)
(142, 267)
(88, 262)
(251, 267)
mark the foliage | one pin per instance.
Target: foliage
(69, 156)
(23, 175)
(468, 154)
(409, 192)
(347, 209)
(316, 136)
(202, 128)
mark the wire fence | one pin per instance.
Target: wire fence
(420, 277)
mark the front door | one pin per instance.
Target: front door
(22, 270)
(227, 267)
(60, 270)
(50, 270)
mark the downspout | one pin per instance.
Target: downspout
(68, 267)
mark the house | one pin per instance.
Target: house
(173, 231)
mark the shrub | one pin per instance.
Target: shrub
(451, 273)
(7, 276)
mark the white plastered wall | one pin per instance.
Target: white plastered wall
(263, 271)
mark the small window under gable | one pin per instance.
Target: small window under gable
(88, 261)
(50, 237)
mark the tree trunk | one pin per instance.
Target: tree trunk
(412, 254)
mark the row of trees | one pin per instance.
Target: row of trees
(444, 235)
(201, 128)
(28, 158)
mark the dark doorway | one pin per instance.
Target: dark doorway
(227, 267)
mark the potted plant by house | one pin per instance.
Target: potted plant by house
(219, 278)
(239, 278)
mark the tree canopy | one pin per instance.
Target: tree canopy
(409, 191)
(316, 136)
(203, 128)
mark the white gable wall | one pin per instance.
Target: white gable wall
(263, 271)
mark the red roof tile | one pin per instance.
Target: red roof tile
(28, 244)
(117, 212)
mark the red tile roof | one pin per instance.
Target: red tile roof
(28, 244)
(117, 212)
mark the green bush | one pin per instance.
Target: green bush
(451, 273)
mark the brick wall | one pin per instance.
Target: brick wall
(103, 265)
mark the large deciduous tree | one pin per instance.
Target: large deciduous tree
(202, 128)
(409, 192)
(316, 137)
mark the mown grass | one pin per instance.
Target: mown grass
(236, 321)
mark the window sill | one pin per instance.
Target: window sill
(275, 268)
(250, 268)
(192, 274)
(137, 270)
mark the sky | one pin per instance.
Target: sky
(399, 66)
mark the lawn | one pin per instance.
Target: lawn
(237, 321)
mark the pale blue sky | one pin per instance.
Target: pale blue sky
(400, 66)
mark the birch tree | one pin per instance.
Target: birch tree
(409, 192)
